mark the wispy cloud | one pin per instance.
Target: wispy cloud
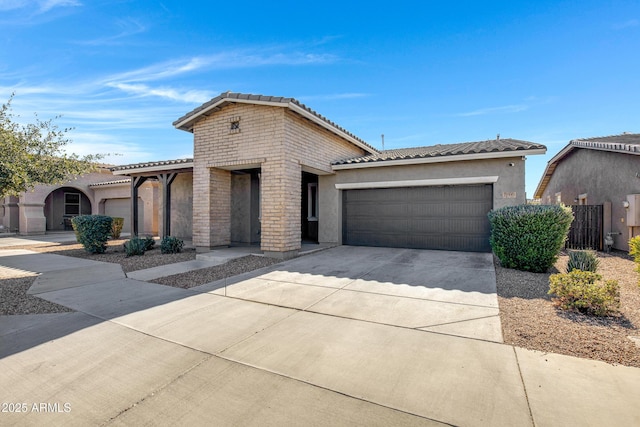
(126, 28)
(40, 6)
(191, 96)
(627, 24)
(495, 110)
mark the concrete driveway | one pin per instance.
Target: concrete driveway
(347, 336)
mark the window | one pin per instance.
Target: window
(312, 201)
(72, 204)
(234, 124)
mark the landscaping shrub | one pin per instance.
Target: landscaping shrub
(135, 246)
(171, 245)
(92, 231)
(529, 237)
(585, 292)
(582, 260)
(116, 227)
(149, 243)
(634, 251)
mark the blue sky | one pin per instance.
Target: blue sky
(419, 72)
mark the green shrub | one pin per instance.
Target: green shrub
(149, 243)
(92, 231)
(585, 292)
(135, 246)
(171, 245)
(529, 237)
(116, 227)
(634, 251)
(582, 260)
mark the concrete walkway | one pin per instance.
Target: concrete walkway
(347, 336)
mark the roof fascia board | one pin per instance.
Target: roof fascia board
(418, 183)
(440, 159)
(184, 167)
(549, 169)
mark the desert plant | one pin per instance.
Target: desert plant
(529, 237)
(92, 231)
(584, 291)
(116, 227)
(149, 242)
(634, 251)
(582, 260)
(135, 246)
(171, 245)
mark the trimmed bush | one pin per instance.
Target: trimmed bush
(171, 245)
(585, 292)
(92, 231)
(116, 227)
(582, 260)
(529, 237)
(135, 246)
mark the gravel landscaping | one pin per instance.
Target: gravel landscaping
(211, 274)
(530, 320)
(14, 299)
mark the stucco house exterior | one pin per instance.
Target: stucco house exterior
(598, 171)
(270, 171)
(50, 207)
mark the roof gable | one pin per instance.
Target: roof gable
(187, 121)
(625, 143)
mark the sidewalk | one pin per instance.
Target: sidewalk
(137, 352)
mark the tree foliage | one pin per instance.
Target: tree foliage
(33, 153)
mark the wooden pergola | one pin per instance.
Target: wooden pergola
(164, 172)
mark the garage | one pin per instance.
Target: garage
(122, 208)
(450, 217)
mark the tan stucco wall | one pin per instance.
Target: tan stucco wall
(278, 141)
(604, 177)
(27, 212)
(148, 203)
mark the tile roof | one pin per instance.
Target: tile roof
(625, 143)
(181, 163)
(446, 150)
(117, 181)
(216, 104)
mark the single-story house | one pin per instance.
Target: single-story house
(599, 171)
(271, 171)
(51, 207)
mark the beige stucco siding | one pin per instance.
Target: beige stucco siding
(604, 177)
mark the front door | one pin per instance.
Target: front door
(309, 208)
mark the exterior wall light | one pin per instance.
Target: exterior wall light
(625, 204)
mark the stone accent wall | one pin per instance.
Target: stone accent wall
(274, 139)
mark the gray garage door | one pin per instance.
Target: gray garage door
(446, 217)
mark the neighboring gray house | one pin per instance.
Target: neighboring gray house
(270, 171)
(599, 171)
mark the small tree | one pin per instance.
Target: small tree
(33, 154)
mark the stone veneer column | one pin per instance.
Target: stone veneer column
(281, 201)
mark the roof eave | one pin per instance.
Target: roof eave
(551, 167)
(440, 159)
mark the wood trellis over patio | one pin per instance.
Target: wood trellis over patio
(164, 172)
